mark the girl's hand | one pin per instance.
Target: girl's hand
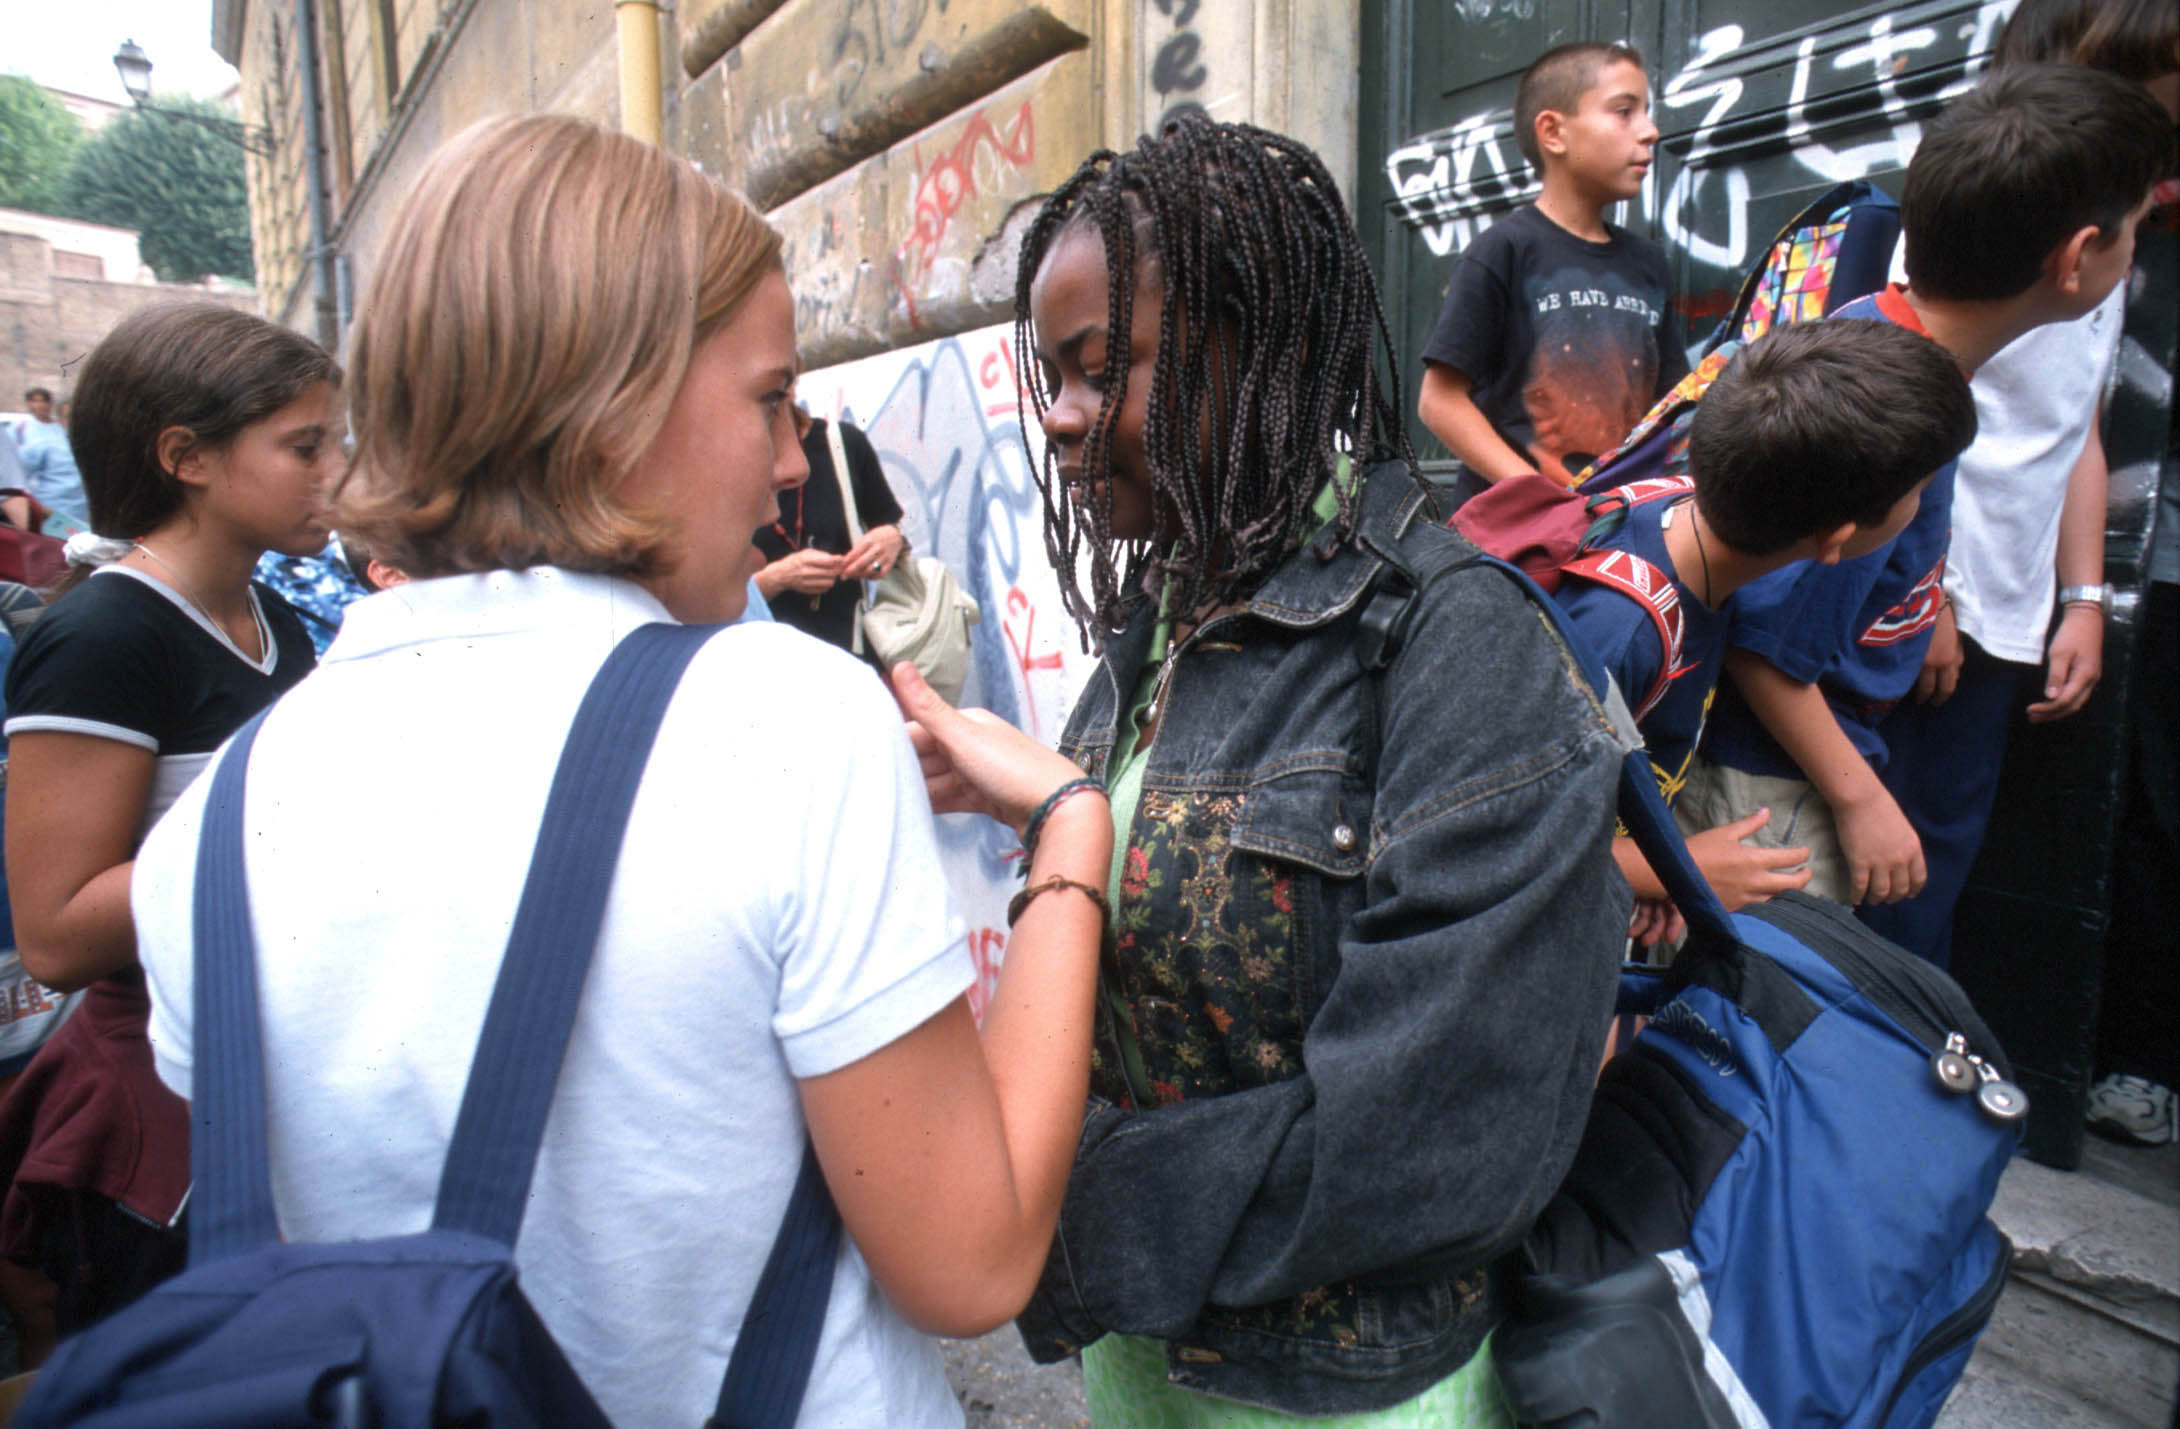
(2074, 665)
(974, 761)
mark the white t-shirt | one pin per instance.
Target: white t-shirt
(778, 912)
(2034, 404)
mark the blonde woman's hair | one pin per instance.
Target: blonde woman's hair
(529, 320)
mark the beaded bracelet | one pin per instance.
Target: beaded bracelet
(1021, 900)
(1053, 800)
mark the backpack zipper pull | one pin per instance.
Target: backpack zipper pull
(1951, 1066)
(2000, 1099)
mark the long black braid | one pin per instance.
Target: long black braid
(1268, 322)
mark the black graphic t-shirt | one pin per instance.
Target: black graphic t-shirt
(1567, 342)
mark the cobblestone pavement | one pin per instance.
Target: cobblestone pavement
(1001, 1389)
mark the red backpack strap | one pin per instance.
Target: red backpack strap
(1644, 490)
(1654, 591)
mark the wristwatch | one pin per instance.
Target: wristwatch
(2099, 596)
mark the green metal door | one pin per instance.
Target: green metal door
(1761, 104)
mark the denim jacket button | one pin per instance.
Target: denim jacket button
(1343, 837)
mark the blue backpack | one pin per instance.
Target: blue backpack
(432, 1328)
(1777, 1214)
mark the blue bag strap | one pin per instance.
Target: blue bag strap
(486, 1181)
(1642, 807)
(778, 1343)
(231, 1198)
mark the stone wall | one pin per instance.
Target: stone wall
(48, 324)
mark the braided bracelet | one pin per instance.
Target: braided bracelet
(1021, 900)
(1053, 800)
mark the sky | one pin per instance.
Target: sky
(70, 44)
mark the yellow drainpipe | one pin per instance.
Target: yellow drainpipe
(643, 113)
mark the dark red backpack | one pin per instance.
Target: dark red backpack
(29, 557)
(1550, 532)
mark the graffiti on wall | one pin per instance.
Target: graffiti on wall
(942, 418)
(864, 33)
(1721, 110)
(1197, 59)
(983, 159)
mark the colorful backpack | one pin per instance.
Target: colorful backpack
(317, 588)
(1835, 250)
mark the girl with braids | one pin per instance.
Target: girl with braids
(1366, 925)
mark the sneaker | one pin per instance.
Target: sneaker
(2133, 1109)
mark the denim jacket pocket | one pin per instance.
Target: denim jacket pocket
(1312, 809)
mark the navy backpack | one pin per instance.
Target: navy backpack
(432, 1328)
(1777, 1214)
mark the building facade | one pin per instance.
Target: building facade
(901, 145)
(890, 140)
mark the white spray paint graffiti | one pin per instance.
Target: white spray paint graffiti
(942, 418)
(1448, 184)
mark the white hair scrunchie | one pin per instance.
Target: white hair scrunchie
(86, 548)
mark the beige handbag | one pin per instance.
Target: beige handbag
(918, 612)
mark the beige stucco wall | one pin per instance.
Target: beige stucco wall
(892, 141)
(455, 61)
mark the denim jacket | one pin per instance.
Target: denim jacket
(1366, 946)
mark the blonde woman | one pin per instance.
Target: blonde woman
(559, 445)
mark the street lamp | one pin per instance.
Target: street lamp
(135, 70)
(134, 67)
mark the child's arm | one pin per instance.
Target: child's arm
(1739, 873)
(2075, 661)
(1942, 662)
(1884, 856)
(1454, 418)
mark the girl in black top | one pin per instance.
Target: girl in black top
(206, 437)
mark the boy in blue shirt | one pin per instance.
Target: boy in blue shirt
(1801, 451)
(2019, 210)
(1558, 330)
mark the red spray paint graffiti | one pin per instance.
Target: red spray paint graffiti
(947, 184)
(1020, 609)
(998, 364)
(986, 947)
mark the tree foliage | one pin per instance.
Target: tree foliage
(37, 137)
(175, 181)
